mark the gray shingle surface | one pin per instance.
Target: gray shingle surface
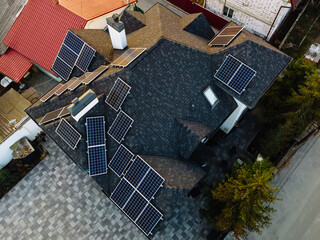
(58, 201)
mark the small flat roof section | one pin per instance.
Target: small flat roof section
(14, 65)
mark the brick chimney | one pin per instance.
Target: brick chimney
(117, 32)
(55, 2)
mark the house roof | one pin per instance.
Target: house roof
(295, 3)
(40, 29)
(14, 65)
(171, 115)
(12, 106)
(8, 12)
(89, 9)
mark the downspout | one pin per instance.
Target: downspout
(276, 19)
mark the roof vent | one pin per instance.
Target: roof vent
(117, 32)
(80, 106)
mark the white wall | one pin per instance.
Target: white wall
(30, 129)
(256, 15)
(234, 117)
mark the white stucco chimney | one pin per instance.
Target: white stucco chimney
(117, 32)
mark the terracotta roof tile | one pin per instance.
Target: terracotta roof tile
(14, 65)
(40, 29)
(89, 9)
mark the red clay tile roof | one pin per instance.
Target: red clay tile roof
(89, 9)
(40, 29)
(14, 65)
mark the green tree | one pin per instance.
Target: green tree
(245, 198)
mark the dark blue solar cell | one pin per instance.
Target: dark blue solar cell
(67, 55)
(150, 184)
(120, 126)
(73, 42)
(227, 69)
(68, 133)
(148, 219)
(120, 160)
(85, 58)
(137, 171)
(135, 205)
(61, 68)
(95, 131)
(122, 193)
(117, 94)
(241, 79)
(97, 160)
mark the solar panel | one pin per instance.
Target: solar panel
(118, 94)
(120, 126)
(76, 83)
(135, 205)
(73, 52)
(61, 90)
(73, 42)
(225, 37)
(68, 133)
(241, 79)
(148, 219)
(96, 145)
(97, 160)
(120, 160)
(50, 116)
(95, 74)
(127, 57)
(150, 184)
(235, 74)
(122, 193)
(137, 171)
(49, 94)
(228, 69)
(64, 111)
(61, 68)
(85, 57)
(67, 55)
(95, 131)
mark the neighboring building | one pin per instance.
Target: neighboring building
(259, 16)
(14, 123)
(175, 100)
(95, 12)
(37, 35)
(9, 11)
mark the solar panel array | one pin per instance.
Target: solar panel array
(120, 126)
(52, 92)
(225, 37)
(235, 74)
(73, 52)
(144, 178)
(132, 201)
(127, 57)
(68, 133)
(120, 160)
(50, 116)
(96, 141)
(118, 94)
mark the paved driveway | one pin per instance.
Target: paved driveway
(298, 214)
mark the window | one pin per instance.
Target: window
(210, 96)
(228, 12)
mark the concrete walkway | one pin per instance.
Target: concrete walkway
(298, 214)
